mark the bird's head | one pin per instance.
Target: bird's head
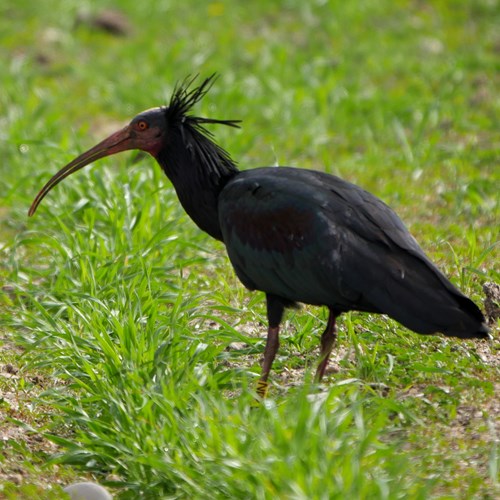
(147, 132)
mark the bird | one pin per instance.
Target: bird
(298, 235)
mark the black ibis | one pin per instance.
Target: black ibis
(297, 235)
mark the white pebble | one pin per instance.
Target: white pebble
(87, 491)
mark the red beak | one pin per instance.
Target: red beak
(119, 141)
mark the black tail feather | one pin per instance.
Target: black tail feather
(431, 304)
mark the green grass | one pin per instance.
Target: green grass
(138, 349)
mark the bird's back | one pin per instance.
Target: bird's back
(310, 237)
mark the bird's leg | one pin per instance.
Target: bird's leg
(272, 344)
(275, 308)
(327, 341)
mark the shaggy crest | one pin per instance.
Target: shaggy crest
(184, 98)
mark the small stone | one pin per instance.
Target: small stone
(113, 22)
(16, 478)
(492, 301)
(237, 346)
(87, 491)
(9, 368)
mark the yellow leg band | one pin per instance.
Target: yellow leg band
(262, 388)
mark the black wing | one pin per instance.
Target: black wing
(311, 237)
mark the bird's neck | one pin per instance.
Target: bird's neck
(199, 169)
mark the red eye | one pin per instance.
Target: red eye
(142, 125)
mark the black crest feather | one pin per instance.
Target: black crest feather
(185, 96)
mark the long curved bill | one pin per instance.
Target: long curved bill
(119, 141)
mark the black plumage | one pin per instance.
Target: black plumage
(298, 235)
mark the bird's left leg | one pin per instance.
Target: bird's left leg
(275, 308)
(327, 342)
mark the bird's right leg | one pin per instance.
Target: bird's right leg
(327, 342)
(275, 308)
